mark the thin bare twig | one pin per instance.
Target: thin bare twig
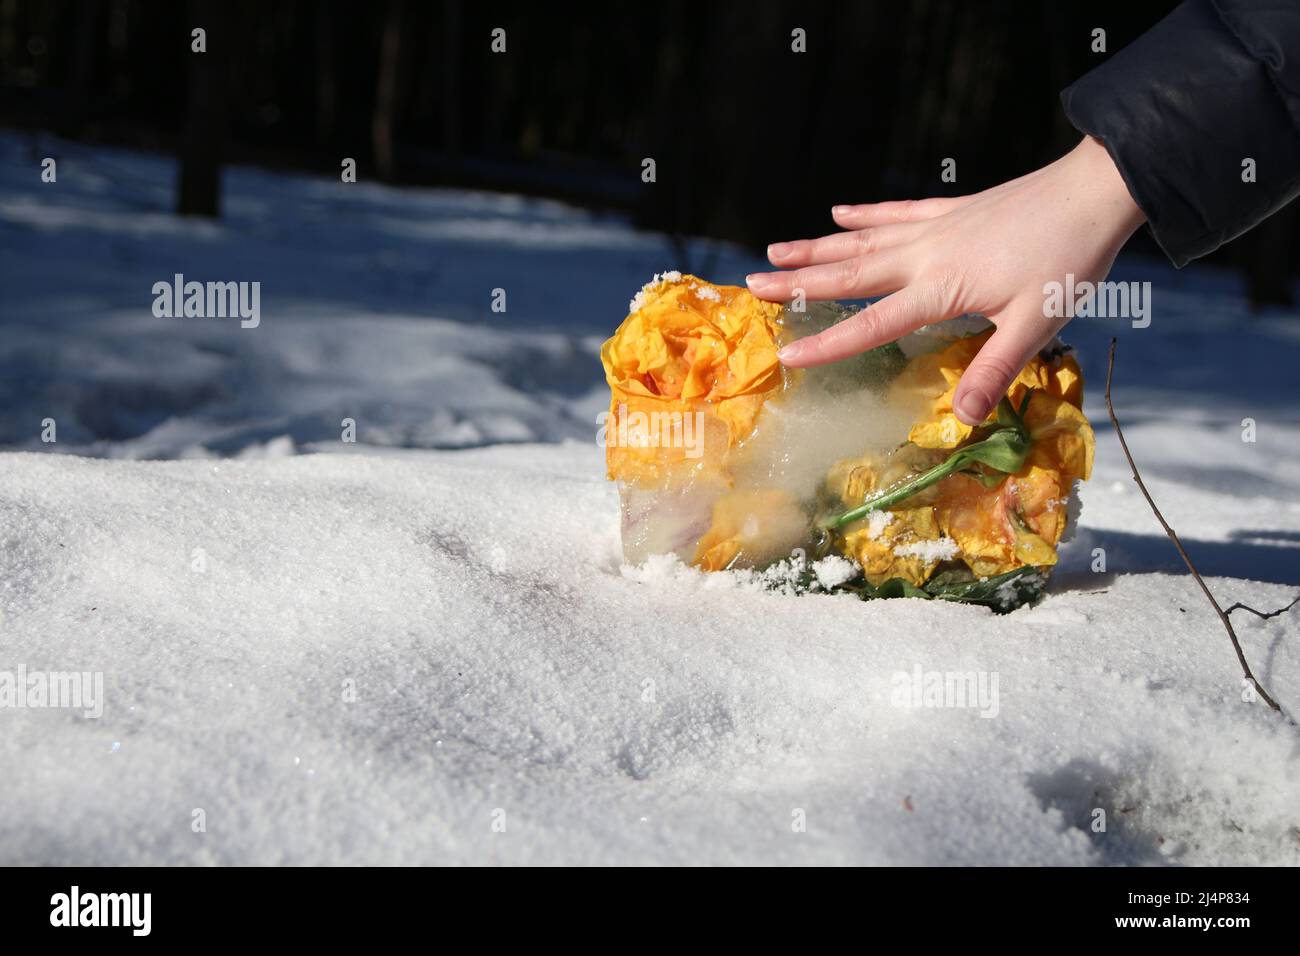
(1227, 624)
(1262, 614)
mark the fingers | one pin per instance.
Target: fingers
(993, 370)
(885, 321)
(842, 245)
(853, 278)
(865, 215)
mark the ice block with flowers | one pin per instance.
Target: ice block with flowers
(731, 461)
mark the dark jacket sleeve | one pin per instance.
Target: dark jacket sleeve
(1180, 110)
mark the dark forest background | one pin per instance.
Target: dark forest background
(752, 142)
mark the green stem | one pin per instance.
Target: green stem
(1004, 450)
(922, 481)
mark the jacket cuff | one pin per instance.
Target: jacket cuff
(1179, 110)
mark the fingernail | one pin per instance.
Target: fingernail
(972, 406)
(839, 210)
(756, 279)
(778, 250)
(788, 354)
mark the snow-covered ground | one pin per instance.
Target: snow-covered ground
(411, 650)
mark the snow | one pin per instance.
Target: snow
(660, 279)
(834, 570)
(375, 652)
(501, 660)
(940, 549)
(877, 522)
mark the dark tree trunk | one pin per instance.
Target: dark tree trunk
(80, 81)
(199, 184)
(452, 42)
(386, 91)
(326, 85)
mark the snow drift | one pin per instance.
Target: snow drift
(379, 658)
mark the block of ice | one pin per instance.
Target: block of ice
(729, 460)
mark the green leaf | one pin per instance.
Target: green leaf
(1005, 450)
(987, 479)
(1002, 592)
(894, 588)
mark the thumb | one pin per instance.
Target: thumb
(992, 371)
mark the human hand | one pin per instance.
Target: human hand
(933, 259)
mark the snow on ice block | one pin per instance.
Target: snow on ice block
(729, 460)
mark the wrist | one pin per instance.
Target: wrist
(1110, 194)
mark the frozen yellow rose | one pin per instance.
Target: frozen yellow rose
(1018, 522)
(929, 383)
(687, 347)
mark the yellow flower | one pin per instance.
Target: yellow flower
(1018, 522)
(991, 526)
(889, 544)
(751, 528)
(688, 347)
(929, 383)
(895, 544)
(852, 479)
(1060, 436)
